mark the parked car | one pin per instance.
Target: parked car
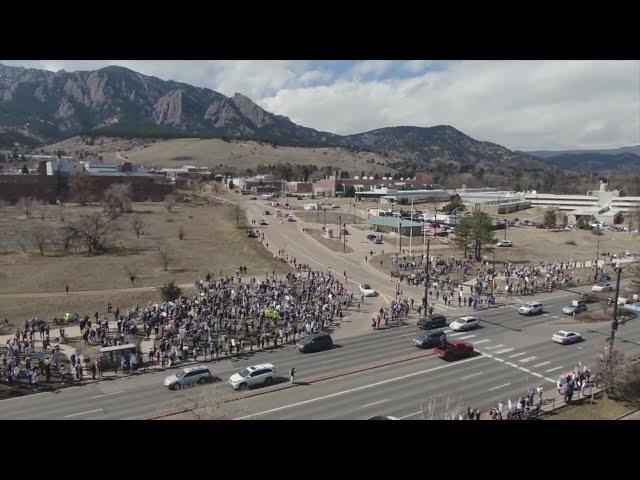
(586, 298)
(530, 308)
(263, 222)
(366, 290)
(565, 338)
(291, 219)
(263, 374)
(188, 376)
(335, 205)
(464, 323)
(454, 349)
(430, 339)
(603, 287)
(505, 243)
(315, 343)
(267, 212)
(577, 307)
(252, 234)
(432, 321)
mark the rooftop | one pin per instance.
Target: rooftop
(391, 222)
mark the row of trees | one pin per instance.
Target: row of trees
(473, 233)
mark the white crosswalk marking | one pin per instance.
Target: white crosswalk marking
(499, 386)
(517, 354)
(495, 346)
(528, 359)
(505, 350)
(552, 369)
(482, 341)
(467, 336)
(541, 364)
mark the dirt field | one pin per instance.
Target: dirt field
(332, 243)
(218, 153)
(212, 243)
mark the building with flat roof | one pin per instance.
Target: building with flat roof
(393, 224)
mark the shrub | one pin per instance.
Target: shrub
(570, 242)
(170, 291)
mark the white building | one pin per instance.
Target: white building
(596, 199)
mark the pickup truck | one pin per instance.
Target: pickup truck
(453, 350)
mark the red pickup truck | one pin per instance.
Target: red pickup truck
(454, 349)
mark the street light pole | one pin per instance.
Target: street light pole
(339, 227)
(426, 282)
(614, 321)
(344, 241)
(411, 228)
(505, 228)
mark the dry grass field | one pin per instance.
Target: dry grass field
(212, 243)
(218, 153)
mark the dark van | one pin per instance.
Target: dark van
(315, 343)
(432, 321)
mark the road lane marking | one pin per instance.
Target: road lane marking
(517, 354)
(407, 334)
(466, 336)
(493, 347)
(498, 359)
(541, 364)
(374, 403)
(524, 369)
(107, 394)
(511, 364)
(472, 375)
(481, 341)
(333, 360)
(499, 386)
(410, 415)
(357, 389)
(549, 380)
(506, 350)
(552, 369)
(537, 375)
(546, 315)
(528, 359)
(83, 413)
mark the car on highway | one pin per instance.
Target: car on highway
(430, 339)
(453, 350)
(263, 374)
(578, 306)
(188, 376)
(603, 287)
(430, 322)
(505, 243)
(564, 337)
(262, 222)
(464, 323)
(315, 343)
(530, 308)
(366, 290)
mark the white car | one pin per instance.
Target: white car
(366, 290)
(603, 287)
(188, 377)
(530, 308)
(464, 323)
(565, 337)
(505, 243)
(291, 219)
(263, 374)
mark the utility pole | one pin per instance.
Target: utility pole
(325, 219)
(493, 272)
(426, 282)
(411, 228)
(237, 216)
(344, 241)
(505, 228)
(339, 227)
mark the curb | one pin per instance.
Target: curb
(289, 385)
(627, 414)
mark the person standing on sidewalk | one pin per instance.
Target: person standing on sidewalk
(292, 374)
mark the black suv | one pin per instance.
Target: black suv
(315, 343)
(430, 339)
(432, 321)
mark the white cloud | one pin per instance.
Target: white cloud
(519, 104)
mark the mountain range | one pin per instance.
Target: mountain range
(620, 160)
(38, 107)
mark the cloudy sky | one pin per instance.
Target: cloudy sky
(526, 105)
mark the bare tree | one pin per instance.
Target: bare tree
(43, 212)
(27, 204)
(41, 237)
(117, 200)
(170, 202)
(181, 232)
(163, 253)
(95, 231)
(132, 274)
(80, 187)
(24, 246)
(138, 226)
(432, 408)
